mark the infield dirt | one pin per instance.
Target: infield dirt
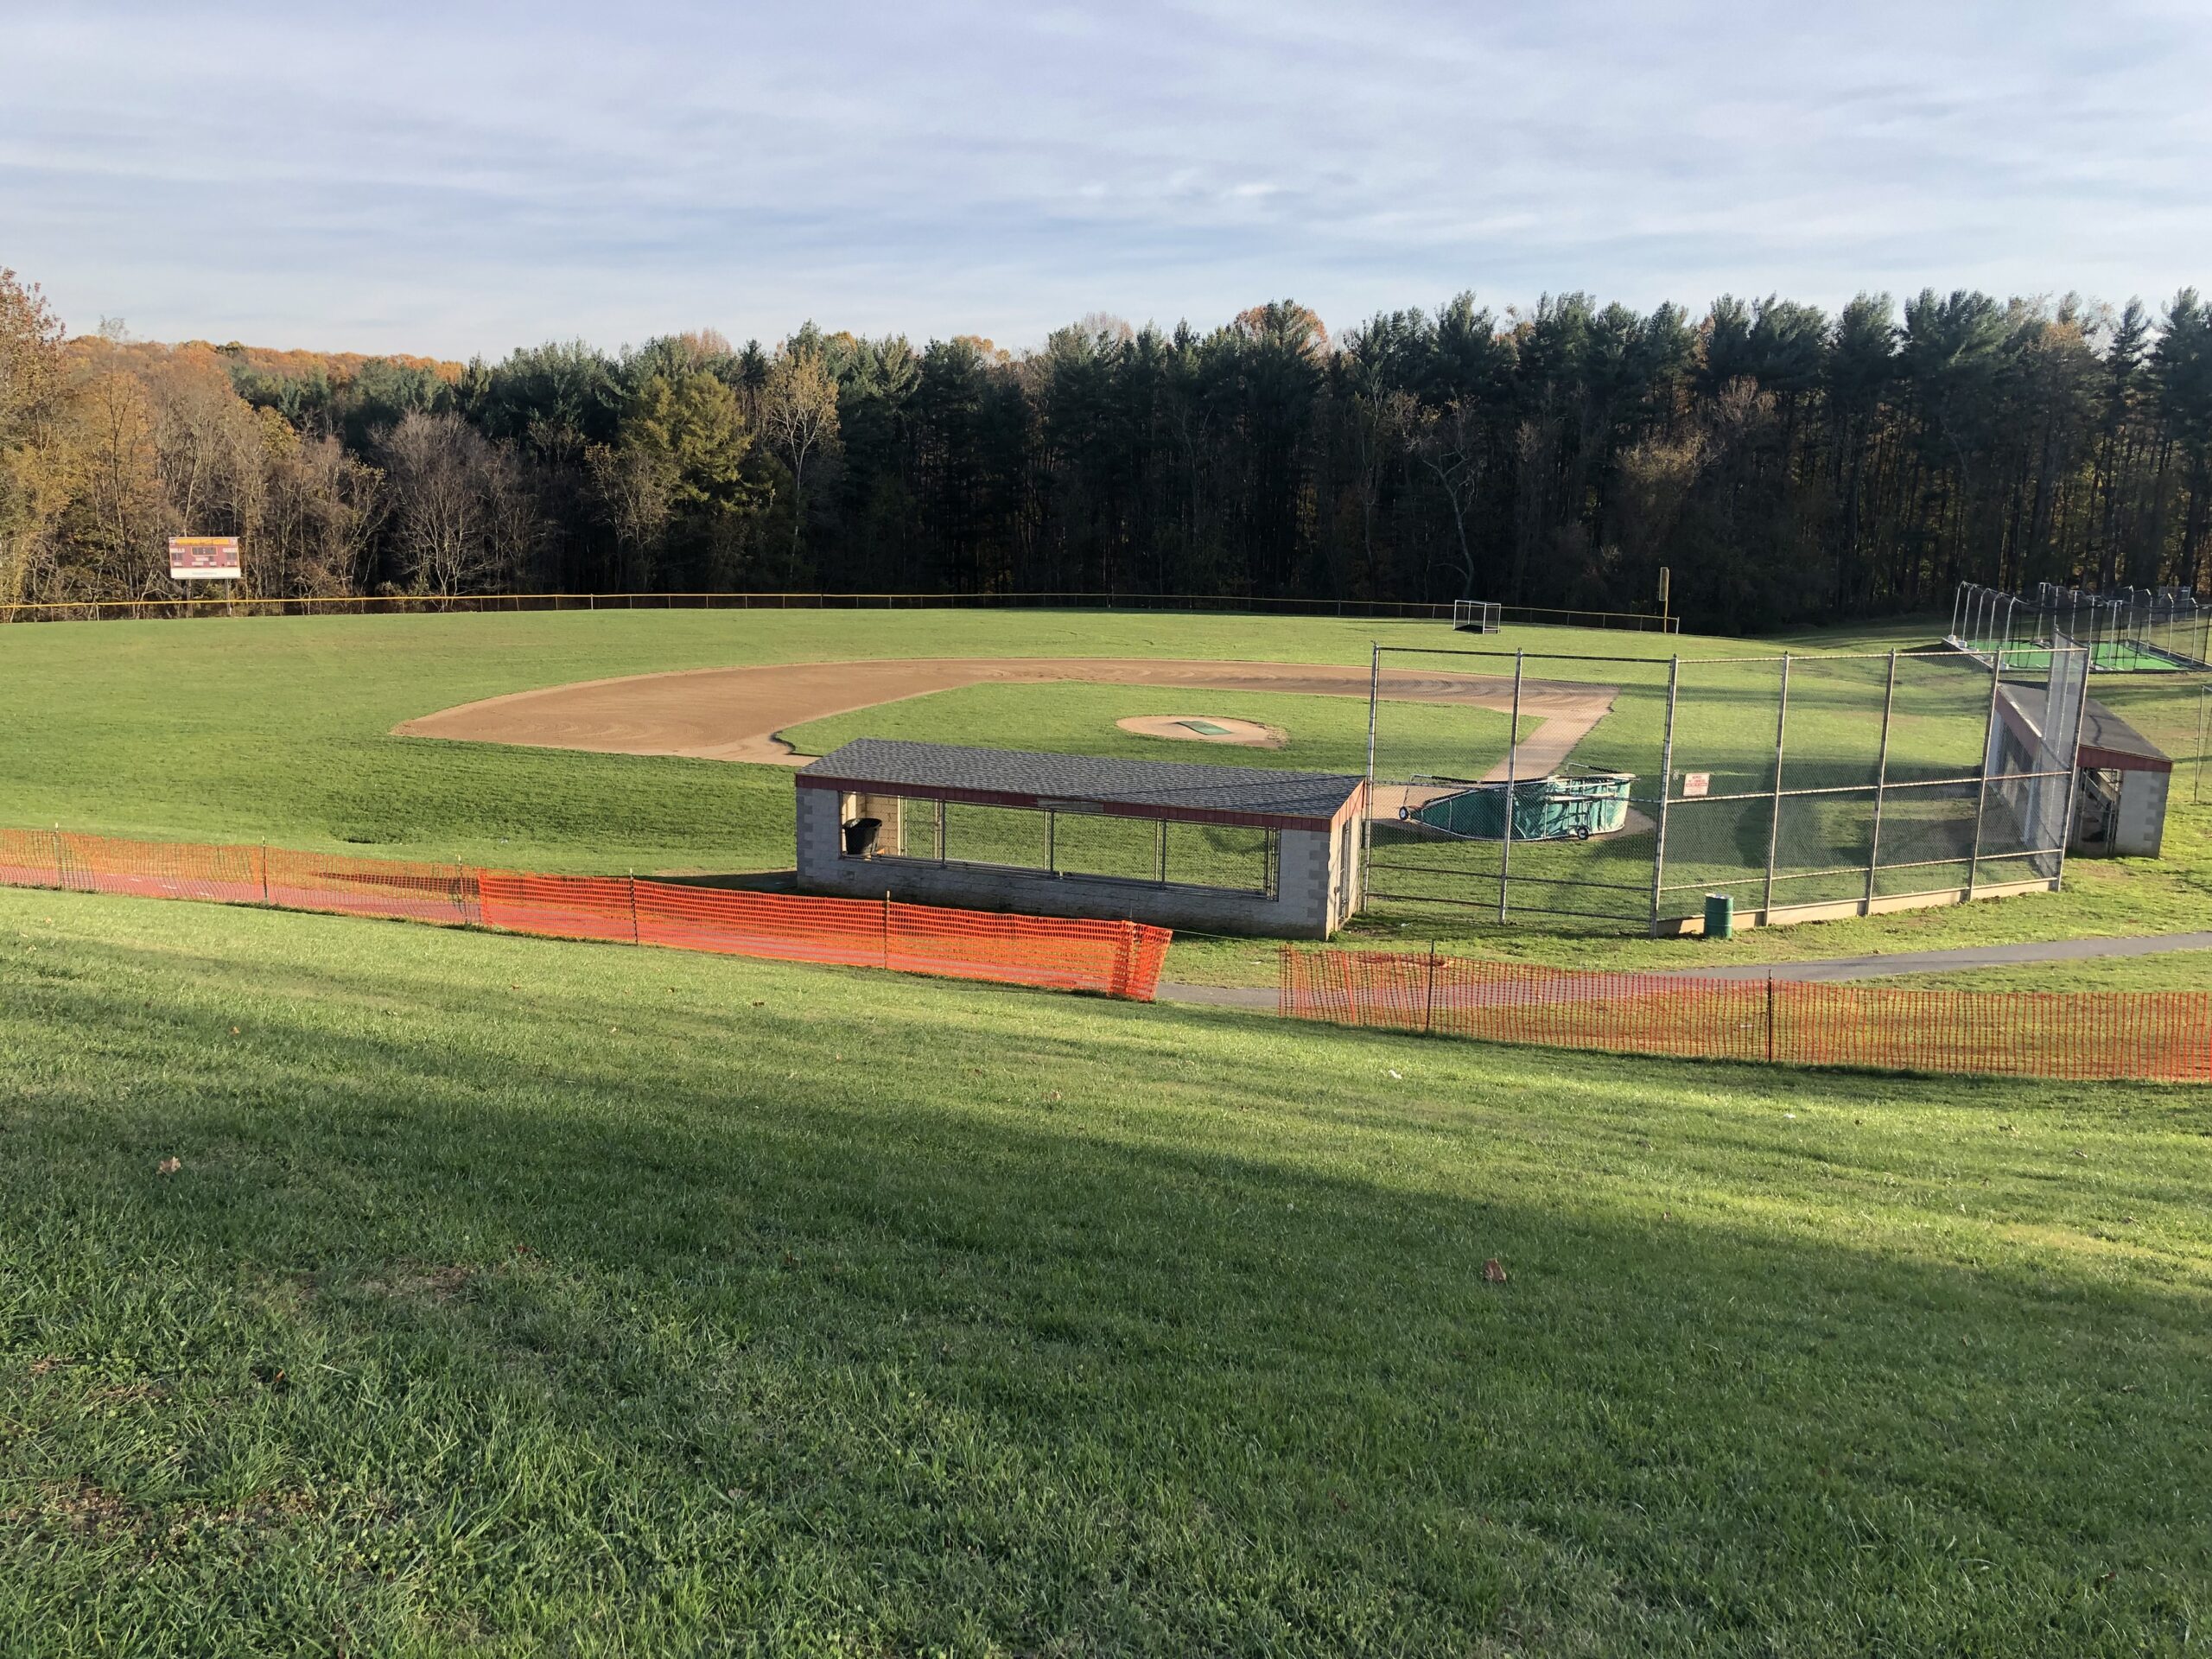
(736, 713)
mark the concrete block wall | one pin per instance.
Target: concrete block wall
(2141, 826)
(820, 831)
(1302, 883)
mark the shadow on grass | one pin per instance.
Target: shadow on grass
(928, 1314)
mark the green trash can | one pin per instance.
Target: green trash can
(1719, 916)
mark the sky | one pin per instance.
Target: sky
(458, 178)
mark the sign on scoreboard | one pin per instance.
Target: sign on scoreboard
(204, 558)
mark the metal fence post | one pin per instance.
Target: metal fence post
(1512, 767)
(1881, 788)
(1988, 763)
(1666, 790)
(2203, 710)
(634, 939)
(1774, 815)
(2073, 763)
(1428, 1020)
(1367, 828)
(887, 927)
(265, 872)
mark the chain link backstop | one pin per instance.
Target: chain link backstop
(1801, 786)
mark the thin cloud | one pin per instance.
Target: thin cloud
(457, 180)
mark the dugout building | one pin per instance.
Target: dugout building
(1222, 850)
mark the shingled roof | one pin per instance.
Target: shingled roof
(1133, 788)
(2107, 741)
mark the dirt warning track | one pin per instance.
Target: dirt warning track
(735, 713)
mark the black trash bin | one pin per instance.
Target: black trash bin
(860, 836)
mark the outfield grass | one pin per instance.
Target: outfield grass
(279, 729)
(512, 1296)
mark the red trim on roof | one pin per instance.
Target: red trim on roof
(2099, 760)
(2092, 756)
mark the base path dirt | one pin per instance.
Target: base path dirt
(734, 713)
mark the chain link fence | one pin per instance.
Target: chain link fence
(1800, 786)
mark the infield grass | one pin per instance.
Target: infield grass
(511, 1296)
(1323, 733)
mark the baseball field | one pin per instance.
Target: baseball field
(374, 1288)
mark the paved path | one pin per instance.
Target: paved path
(1975, 956)
(1832, 968)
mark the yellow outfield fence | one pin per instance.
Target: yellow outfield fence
(1377, 610)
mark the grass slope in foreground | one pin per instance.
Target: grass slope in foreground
(514, 1295)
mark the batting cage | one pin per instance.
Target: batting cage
(1617, 794)
(2125, 630)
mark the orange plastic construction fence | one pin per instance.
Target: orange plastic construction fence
(1113, 958)
(1116, 958)
(238, 875)
(2151, 1036)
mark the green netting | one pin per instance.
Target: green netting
(1010, 837)
(1221, 855)
(1544, 809)
(1125, 848)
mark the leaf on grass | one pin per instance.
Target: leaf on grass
(167, 1166)
(1494, 1271)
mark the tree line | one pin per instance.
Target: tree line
(1788, 464)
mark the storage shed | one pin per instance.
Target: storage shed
(1226, 849)
(2121, 782)
(2120, 807)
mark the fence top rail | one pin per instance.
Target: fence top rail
(1369, 609)
(1945, 652)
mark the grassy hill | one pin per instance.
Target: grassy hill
(509, 1296)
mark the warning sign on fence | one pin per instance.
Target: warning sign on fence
(1696, 782)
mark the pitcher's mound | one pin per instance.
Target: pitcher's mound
(1206, 729)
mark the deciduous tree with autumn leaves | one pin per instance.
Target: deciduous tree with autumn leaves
(1789, 465)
